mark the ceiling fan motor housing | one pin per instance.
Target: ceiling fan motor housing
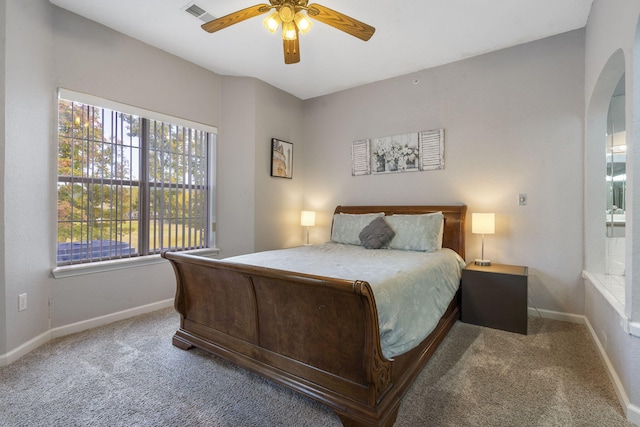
(286, 12)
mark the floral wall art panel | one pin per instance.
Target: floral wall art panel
(398, 153)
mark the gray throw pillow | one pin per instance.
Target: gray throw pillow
(377, 234)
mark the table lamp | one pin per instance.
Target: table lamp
(483, 223)
(308, 219)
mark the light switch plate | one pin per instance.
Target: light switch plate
(522, 199)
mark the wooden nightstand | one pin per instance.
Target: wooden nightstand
(495, 296)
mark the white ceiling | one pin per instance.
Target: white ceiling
(411, 35)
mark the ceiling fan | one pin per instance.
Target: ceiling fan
(290, 15)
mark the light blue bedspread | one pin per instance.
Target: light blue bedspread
(412, 289)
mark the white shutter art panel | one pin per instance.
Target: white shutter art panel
(361, 158)
(432, 149)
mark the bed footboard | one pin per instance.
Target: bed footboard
(316, 335)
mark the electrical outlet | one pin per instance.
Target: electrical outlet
(22, 302)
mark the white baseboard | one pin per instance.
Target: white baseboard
(109, 318)
(555, 315)
(632, 411)
(73, 328)
(633, 414)
(17, 353)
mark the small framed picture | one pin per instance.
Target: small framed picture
(281, 159)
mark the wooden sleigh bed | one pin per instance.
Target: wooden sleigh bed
(255, 317)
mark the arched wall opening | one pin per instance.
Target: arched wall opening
(595, 163)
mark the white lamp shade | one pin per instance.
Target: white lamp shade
(308, 219)
(302, 22)
(483, 223)
(289, 31)
(272, 22)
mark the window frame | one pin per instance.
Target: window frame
(113, 264)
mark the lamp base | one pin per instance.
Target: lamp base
(483, 262)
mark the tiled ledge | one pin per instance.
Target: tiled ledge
(612, 288)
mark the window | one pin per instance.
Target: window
(130, 183)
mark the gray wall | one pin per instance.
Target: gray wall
(47, 47)
(3, 63)
(235, 176)
(28, 167)
(277, 222)
(613, 45)
(257, 212)
(513, 124)
(93, 59)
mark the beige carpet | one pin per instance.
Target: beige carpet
(129, 374)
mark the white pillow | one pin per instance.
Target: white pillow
(347, 227)
(417, 232)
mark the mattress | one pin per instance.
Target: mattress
(412, 289)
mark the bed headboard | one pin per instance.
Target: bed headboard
(454, 219)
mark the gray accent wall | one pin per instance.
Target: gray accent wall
(513, 124)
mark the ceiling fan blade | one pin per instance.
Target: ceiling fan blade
(341, 21)
(291, 51)
(235, 17)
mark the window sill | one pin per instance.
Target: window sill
(119, 264)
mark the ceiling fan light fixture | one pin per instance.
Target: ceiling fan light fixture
(289, 31)
(293, 16)
(272, 22)
(303, 22)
